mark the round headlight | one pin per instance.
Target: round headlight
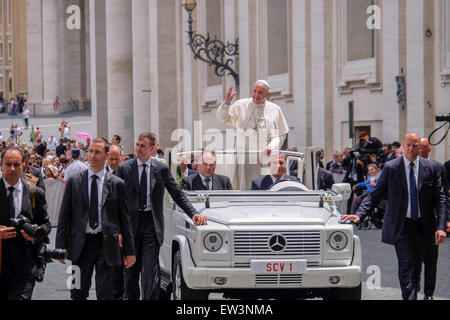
(213, 242)
(338, 240)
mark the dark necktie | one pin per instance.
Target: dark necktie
(413, 193)
(207, 181)
(143, 189)
(12, 209)
(93, 204)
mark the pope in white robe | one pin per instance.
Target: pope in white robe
(260, 115)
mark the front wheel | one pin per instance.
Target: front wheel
(180, 290)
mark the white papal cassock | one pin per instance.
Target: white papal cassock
(245, 115)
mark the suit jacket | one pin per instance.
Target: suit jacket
(445, 185)
(393, 186)
(325, 179)
(265, 182)
(447, 172)
(160, 179)
(20, 251)
(194, 182)
(74, 218)
(390, 157)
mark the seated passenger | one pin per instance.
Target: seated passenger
(205, 179)
(278, 173)
(369, 185)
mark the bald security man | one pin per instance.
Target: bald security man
(415, 214)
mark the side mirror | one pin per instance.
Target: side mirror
(343, 189)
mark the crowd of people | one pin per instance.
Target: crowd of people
(111, 218)
(13, 105)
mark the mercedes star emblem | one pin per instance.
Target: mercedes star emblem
(277, 243)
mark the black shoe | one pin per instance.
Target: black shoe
(428, 298)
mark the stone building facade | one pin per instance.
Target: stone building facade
(13, 48)
(319, 56)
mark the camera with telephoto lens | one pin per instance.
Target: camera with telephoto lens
(443, 117)
(48, 255)
(23, 223)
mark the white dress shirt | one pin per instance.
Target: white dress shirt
(100, 182)
(416, 175)
(18, 196)
(147, 170)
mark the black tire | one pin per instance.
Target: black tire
(344, 294)
(164, 295)
(367, 225)
(180, 290)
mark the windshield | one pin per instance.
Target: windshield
(244, 171)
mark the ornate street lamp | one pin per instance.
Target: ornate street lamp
(212, 51)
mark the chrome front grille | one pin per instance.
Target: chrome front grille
(279, 280)
(257, 243)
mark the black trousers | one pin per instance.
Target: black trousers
(410, 250)
(147, 263)
(92, 257)
(430, 261)
(14, 282)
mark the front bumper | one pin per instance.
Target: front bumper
(203, 279)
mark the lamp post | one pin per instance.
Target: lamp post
(211, 50)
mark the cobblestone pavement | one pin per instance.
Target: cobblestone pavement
(79, 122)
(374, 252)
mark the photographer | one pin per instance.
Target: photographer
(360, 157)
(19, 267)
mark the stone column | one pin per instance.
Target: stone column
(34, 35)
(321, 78)
(142, 90)
(167, 71)
(99, 88)
(299, 43)
(154, 65)
(415, 32)
(188, 110)
(50, 55)
(119, 63)
(244, 48)
(391, 69)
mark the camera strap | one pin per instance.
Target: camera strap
(32, 193)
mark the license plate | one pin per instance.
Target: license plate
(278, 266)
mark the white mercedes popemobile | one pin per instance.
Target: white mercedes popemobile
(284, 243)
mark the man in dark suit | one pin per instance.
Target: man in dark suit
(447, 174)
(206, 179)
(146, 180)
(325, 178)
(415, 214)
(431, 249)
(19, 268)
(93, 214)
(115, 157)
(394, 147)
(61, 148)
(277, 167)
